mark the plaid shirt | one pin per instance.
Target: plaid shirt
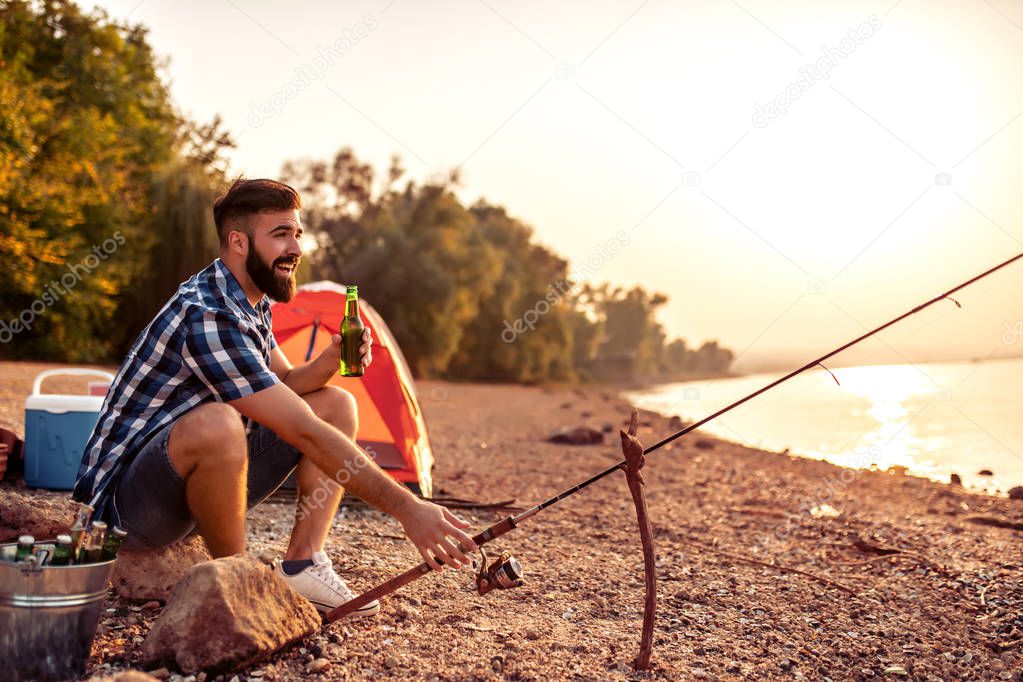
(208, 343)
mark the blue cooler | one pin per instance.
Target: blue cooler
(57, 427)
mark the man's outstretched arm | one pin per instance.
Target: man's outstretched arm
(436, 533)
(315, 374)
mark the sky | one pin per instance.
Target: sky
(788, 173)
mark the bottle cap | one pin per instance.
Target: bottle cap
(26, 540)
(119, 532)
(99, 525)
(63, 539)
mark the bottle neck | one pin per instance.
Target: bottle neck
(352, 307)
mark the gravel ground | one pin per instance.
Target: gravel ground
(769, 566)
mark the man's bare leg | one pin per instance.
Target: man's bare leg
(320, 494)
(208, 449)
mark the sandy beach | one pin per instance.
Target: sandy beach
(770, 566)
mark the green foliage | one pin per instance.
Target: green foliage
(105, 191)
(84, 121)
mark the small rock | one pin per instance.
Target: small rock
(390, 662)
(317, 666)
(704, 444)
(895, 670)
(580, 435)
(985, 472)
(406, 612)
(955, 479)
(160, 673)
(150, 605)
(133, 676)
(1016, 492)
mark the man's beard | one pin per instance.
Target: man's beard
(269, 281)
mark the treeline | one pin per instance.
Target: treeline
(470, 295)
(105, 206)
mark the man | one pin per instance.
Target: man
(207, 417)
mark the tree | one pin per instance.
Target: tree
(85, 121)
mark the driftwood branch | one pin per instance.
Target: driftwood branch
(634, 461)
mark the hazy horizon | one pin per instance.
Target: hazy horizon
(886, 181)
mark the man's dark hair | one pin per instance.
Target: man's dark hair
(247, 197)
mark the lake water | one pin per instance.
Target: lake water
(933, 419)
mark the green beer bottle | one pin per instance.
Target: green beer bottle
(113, 543)
(25, 545)
(351, 335)
(61, 551)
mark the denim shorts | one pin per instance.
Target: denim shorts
(150, 498)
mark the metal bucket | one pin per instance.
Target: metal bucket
(48, 616)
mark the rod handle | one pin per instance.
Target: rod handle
(402, 579)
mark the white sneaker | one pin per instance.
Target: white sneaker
(324, 588)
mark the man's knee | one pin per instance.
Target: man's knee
(212, 432)
(337, 407)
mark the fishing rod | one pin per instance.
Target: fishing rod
(506, 572)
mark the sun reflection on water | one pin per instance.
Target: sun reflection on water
(896, 395)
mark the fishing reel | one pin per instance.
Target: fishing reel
(504, 574)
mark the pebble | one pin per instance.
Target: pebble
(160, 673)
(149, 605)
(390, 662)
(317, 666)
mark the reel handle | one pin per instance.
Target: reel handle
(397, 582)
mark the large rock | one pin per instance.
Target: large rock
(226, 614)
(152, 575)
(42, 515)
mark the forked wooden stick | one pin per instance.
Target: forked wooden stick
(634, 461)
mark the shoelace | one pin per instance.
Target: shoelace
(326, 573)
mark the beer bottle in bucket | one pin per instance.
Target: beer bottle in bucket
(61, 551)
(78, 531)
(351, 335)
(113, 543)
(26, 543)
(94, 545)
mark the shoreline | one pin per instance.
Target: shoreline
(991, 472)
(769, 565)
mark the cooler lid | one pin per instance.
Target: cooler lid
(55, 403)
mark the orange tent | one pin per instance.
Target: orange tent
(391, 425)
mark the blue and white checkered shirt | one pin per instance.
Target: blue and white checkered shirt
(208, 343)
